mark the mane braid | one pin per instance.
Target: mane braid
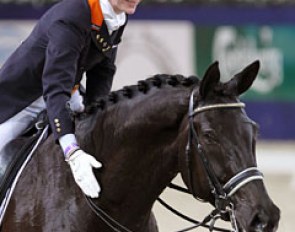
(143, 86)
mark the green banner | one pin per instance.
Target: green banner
(235, 47)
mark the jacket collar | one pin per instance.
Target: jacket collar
(96, 14)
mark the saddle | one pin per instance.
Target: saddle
(15, 154)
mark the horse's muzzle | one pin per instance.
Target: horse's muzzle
(262, 220)
(265, 221)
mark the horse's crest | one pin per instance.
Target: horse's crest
(143, 86)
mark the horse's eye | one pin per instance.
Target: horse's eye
(209, 137)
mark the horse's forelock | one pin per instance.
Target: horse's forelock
(221, 90)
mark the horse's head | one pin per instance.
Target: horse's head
(220, 162)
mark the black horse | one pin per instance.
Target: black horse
(145, 135)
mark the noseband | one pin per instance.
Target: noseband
(222, 193)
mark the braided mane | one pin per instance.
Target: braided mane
(143, 86)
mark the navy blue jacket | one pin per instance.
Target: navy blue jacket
(63, 45)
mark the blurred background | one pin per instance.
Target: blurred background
(185, 37)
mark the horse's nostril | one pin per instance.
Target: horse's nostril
(259, 223)
(260, 227)
(265, 221)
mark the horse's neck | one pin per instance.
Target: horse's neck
(136, 143)
(143, 117)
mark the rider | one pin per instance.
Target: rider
(72, 38)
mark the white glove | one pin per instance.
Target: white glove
(76, 102)
(81, 165)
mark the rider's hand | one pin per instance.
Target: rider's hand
(81, 165)
(76, 102)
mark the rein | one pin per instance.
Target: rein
(111, 222)
(221, 193)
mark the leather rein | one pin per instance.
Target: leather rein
(221, 193)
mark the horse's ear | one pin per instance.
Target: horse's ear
(210, 79)
(242, 81)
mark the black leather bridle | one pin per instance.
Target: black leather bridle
(221, 193)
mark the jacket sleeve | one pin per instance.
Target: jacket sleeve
(99, 79)
(65, 43)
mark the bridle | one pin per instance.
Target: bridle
(221, 193)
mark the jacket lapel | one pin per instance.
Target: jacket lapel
(99, 32)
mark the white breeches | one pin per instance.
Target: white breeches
(16, 125)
